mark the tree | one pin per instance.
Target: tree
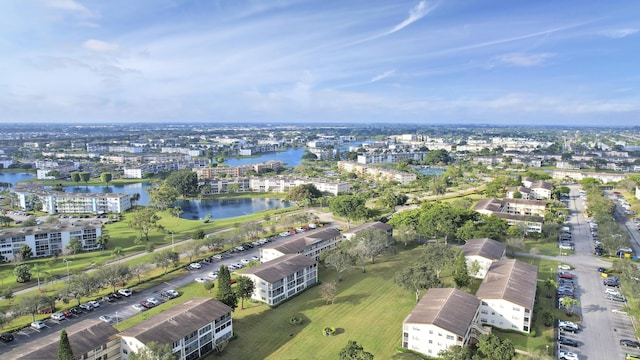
(85, 177)
(75, 177)
(31, 304)
(548, 318)
(175, 211)
(367, 244)
(351, 207)
(37, 269)
(438, 256)
(492, 347)
(163, 196)
(138, 270)
(118, 252)
(569, 304)
(112, 275)
(225, 293)
(184, 181)
(198, 234)
(456, 353)
(405, 233)
(106, 177)
(135, 197)
(515, 244)
(244, 289)
(5, 220)
(328, 291)
(475, 268)
(191, 249)
(64, 347)
(353, 351)
(143, 220)
(417, 278)
(77, 287)
(103, 240)
(550, 286)
(75, 245)
(26, 252)
(164, 258)
(22, 273)
(304, 194)
(53, 173)
(460, 272)
(438, 185)
(337, 258)
(154, 351)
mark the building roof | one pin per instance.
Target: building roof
(450, 309)
(369, 225)
(171, 325)
(511, 280)
(487, 248)
(492, 205)
(525, 202)
(59, 226)
(278, 268)
(84, 336)
(299, 242)
(542, 185)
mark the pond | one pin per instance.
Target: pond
(292, 157)
(12, 178)
(429, 170)
(227, 208)
(192, 209)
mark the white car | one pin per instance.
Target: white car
(195, 265)
(612, 291)
(238, 265)
(200, 280)
(125, 292)
(213, 275)
(619, 312)
(154, 301)
(245, 261)
(255, 258)
(567, 355)
(94, 303)
(106, 318)
(38, 325)
(58, 316)
(138, 307)
(564, 267)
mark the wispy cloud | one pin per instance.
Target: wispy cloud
(416, 13)
(525, 60)
(620, 33)
(384, 75)
(69, 5)
(100, 46)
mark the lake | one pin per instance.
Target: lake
(192, 209)
(227, 208)
(429, 170)
(13, 178)
(292, 157)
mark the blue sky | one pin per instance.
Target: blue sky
(405, 61)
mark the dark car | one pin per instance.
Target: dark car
(610, 282)
(630, 343)
(566, 341)
(76, 310)
(147, 304)
(565, 275)
(6, 337)
(616, 298)
(116, 296)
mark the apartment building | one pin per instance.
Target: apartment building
(507, 295)
(283, 277)
(376, 173)
(286, 183)
(90, 339)
(390, 157)
(50, 239)
(484, 252)
(309, 243)
(193, 329)
(528, 213)
(441, 319)
(54, 202)
(237, 171)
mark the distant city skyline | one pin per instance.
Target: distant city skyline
(495, 62)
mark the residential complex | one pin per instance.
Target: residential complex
(482, 252)
(377, 173)
(50, 239)
(193, 329)
(529, 213)
(309, 243)
(283, 277)
(54, 202)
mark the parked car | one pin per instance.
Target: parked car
(245, 261)
(565, 275)
(617, 298)
(619, 312)
(76, 310)
(255, 258)
(106, 318)
(108, 298)
(200, 280)
(568, 326)
(6, 337)
(147, 304)
(67, 313)
(58, 316)
(630, 343)
(562, 340)
(564, 267)
(610, 282)
(86, 307)
(567, 355)
(94, 303)
(195, 266)
(632, 357)
(138, 307)
(154, 301)
(612, 291)
(213, 275)
(38, 325)
(169, 294)
(125, 292)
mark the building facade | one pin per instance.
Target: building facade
(484, 252)
(310, 243)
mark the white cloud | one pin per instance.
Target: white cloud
(415, 14)
(525, 60)
(69, 5)
(100, 46)
(384, 75)
(620, 33)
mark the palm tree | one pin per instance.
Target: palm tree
(549, 285)
(548, 318)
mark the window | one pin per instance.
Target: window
(450, 337)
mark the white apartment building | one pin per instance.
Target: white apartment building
(281, 278)
(192, 328)
(441, 319)
(484, 252)
(515, 211)
(376, 173)
(286, 183)
(62, 202)
(507, 295)
(310, 243)
(48, 240)
(390, 157)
